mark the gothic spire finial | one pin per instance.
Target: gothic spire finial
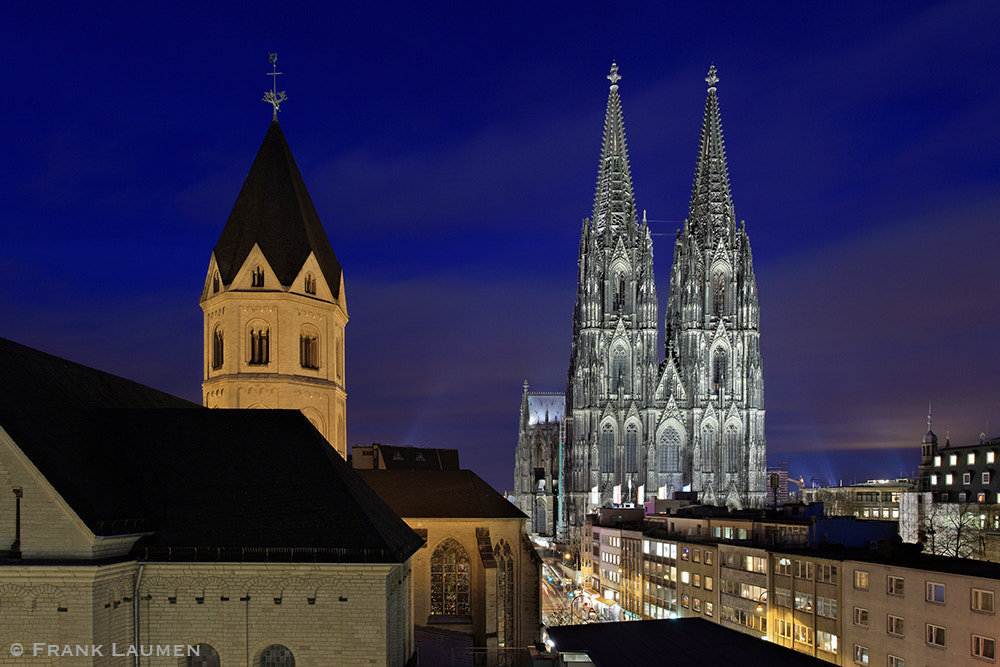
(614, 77)
(712, 78)
(928, 415)
(272, 96)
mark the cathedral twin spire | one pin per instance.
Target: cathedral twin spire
(614, 204)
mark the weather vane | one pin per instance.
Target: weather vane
(272, 96)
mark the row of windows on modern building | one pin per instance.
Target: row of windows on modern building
(258, 350)
(668, 449)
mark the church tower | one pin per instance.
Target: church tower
(274, 301)
(612, 371)
(711, 433)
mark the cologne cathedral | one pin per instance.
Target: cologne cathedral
(637, 427)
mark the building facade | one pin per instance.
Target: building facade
(540, 439)
(639, 427)
(274, 302)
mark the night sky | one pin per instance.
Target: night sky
(451, 150)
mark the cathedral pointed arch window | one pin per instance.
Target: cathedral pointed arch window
(619, 297)
(218, 348)
(607, 449)
(260, 344)
(450, 580)
(631, 448)
(309, 348)
(620, 370)
(731, 447)
(257, 277)
(310, 284)
(707, 448)
(668, 450)
(718, 293)
(506, 600)
(719, 367)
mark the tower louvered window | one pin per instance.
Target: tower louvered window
(309, 350)
(732, 448)
(310, 284)
(260, 343)
(218, 349)
(607, 449)
(707, 447)
(718, 293)
(719, 363)
(619, 370)
(257, 279)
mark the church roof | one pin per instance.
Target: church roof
(274, 211)
(614, 202)
(711, 211)
(456, 494)
(235, 484)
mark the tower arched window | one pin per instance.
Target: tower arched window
(277, 655)
(207, 657)
(631, 448)
(718, 293)
(257, 278)
(732, 448)
(310, 284)
(607, 449)
(260, 344)
(707, 447)
(218, 348)
(450, 580)
(505, 595)
(215, 283)
(309, 348)
(719, 367)
(668, 450)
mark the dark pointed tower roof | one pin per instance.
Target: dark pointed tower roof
(614, 203)
(711, 213)
(274, 211)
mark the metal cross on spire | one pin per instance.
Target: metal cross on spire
(614, 77)
(272, 96)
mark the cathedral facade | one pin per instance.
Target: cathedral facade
(638, 427)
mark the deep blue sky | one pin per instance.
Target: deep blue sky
(451, 150)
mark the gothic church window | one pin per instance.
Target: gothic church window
(505, 594)
(257, 279)
(277, 655)
(707, 447)
(718, 293)
(309, 348)
(218, 349)
(607, 449)
(619, 370)
(719, 362)
(207, 657)
(260, 343)
(631, 448)
(732, 448)
(669, 450)
(450, 580)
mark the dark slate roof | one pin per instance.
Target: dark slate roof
(130, 459)
(682, 641)
(455, 494)
(274, 211)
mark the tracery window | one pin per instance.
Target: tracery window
(607, 449)
(505, 597)
(257, 279)
(707, 447)
(310, 284)
(260, 343)
(732, 448)
(218, 349)
(450, 580)
(277, 655)
(631, 448)
(719, 362)
(207, 657)
(619, 370)
(308, 349)
(668, 450)
(718, 293)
